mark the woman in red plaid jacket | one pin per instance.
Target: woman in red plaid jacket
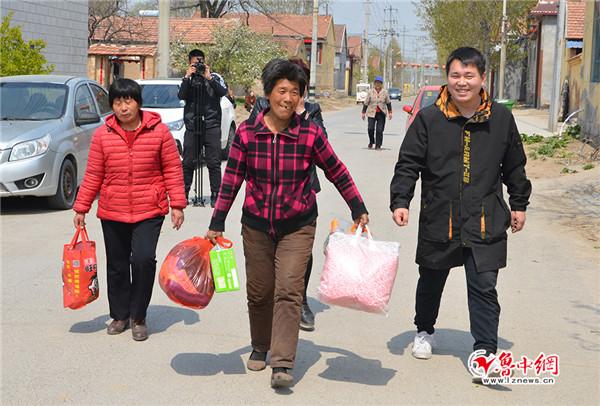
(274, 154)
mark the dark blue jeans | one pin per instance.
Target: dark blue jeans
(484, 309)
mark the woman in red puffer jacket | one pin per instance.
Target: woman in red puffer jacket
(134, 164)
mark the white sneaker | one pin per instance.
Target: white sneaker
(423, 345)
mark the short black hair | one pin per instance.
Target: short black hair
(195, 52)
(126, 88)
(278, 69)
(300, 62)
(468, 56)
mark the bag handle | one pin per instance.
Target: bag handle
(224, 242)
(81, 230)
(359, 230)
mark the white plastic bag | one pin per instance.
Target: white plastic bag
(359, 272)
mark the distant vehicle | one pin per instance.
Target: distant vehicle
(426, 97)
(160, 96)
(46, 129)
(395, 93)
(361, 92)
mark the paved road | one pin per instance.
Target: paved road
(549, 295)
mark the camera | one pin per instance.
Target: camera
(200, 67)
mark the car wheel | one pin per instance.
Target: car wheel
(225, 151)
(67, 187)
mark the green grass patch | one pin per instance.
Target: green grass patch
(531, 139)
(588, 166)
(552, 145)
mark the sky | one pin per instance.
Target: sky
(352, 13)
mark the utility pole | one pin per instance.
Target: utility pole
(387, 57)
(163, 38)
(313, 53)
(558, 56)
(502, 53)
(365, 75)
(403, 55)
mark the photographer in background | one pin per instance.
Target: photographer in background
(202, 91)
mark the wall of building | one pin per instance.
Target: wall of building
(61, 24)
(326, 68)
(548, 51)
(590, 92)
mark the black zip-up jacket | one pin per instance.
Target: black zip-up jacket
(211, 109)
(312, 112)
(462, 163)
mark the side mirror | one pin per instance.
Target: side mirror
(408, 109)
(86, 117)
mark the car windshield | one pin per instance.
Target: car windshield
(393, 90)
(429, 97)
(32, 101)
(160, 96)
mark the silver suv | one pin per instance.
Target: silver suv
(46, 129)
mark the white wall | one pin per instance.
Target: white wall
(62, 24)
(548, 52)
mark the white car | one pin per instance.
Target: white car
(160, 96)
(362, 89)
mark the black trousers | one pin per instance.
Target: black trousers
(130, 265)
(212, 156)
(375, 128)
(484, 309)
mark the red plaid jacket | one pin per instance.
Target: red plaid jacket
(276, 167)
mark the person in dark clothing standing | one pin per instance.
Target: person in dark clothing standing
(202, 92)
(312, 112)
(464, 147)
(375, 107)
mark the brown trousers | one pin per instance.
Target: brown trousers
(274, 283)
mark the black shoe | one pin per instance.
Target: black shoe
(307, 318)
(370, 146)
(281, 378)
(213, 199)
(377, 146)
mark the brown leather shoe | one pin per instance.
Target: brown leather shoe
(139, 331)
(257, 361)
(281, 378)
(117, 327)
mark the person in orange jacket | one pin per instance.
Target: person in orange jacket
(134, 164)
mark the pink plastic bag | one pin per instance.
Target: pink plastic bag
(359, 272)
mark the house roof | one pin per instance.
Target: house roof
(112, 49)
(339, 31)
(575, 19)
(291, 45)
(285, 25)
(355, 46)
(145, 29)
(545, 8)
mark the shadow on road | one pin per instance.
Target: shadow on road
(24, 205)
(456, 343)
(160, 318)
(585, 321)
(198, 364)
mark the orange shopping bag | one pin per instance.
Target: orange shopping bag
(79, 272)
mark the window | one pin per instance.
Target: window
(596, 43)
(84, 103)
(102, 99)
(32, 100)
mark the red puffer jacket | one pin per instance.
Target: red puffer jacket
(134, 182)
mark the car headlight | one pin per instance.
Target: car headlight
(175, 125)
(30, 149)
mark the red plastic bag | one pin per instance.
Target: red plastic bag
(80, 271)
(185, 275)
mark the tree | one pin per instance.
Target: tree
(110, 20)
(238, 54)
(19, 57)
(473, 23)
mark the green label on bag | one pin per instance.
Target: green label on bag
(224, 269)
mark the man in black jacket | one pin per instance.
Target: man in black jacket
(464, 147)
(202, 92)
